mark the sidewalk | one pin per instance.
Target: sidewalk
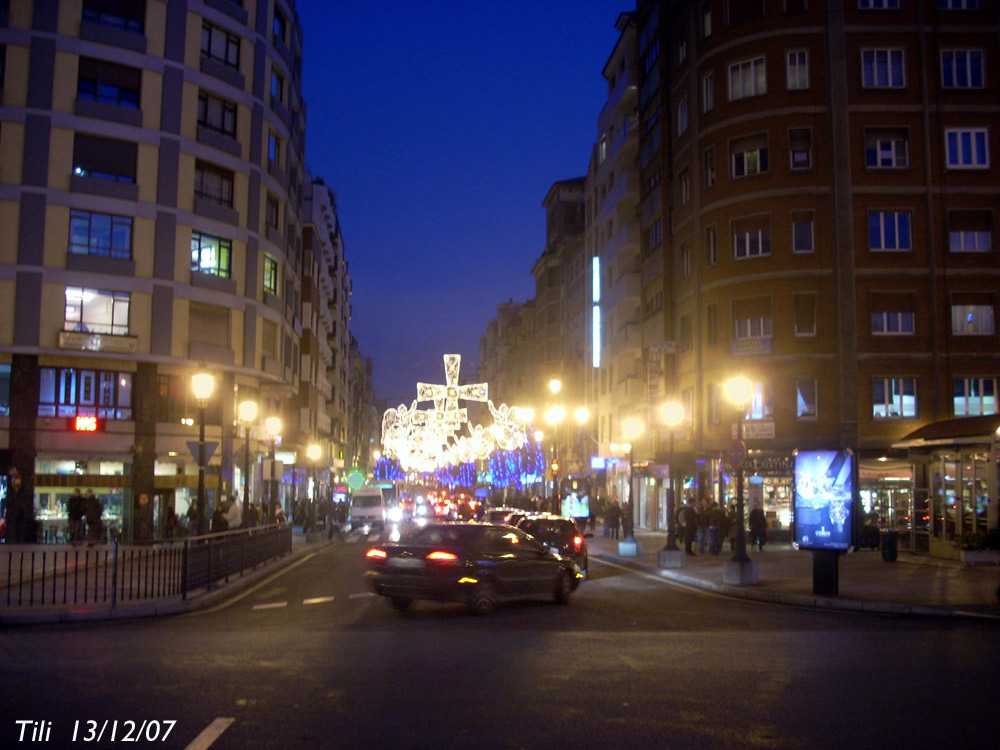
(913, 585)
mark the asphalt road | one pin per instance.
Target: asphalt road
(309, 659)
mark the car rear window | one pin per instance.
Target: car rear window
(547, 527)
(366, 501)
(442, 535)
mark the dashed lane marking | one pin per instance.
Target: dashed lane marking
(272, 605)
(365, 595)
(207, 737)
(244, 594)
(318, 600)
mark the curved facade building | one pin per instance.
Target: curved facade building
(151, 184)
(830, 200)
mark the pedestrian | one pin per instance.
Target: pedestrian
(731, 525)
(614, 518)
(716, 522)
(92, 511)
(758, 527)
(689, 521)
(279, 515)
(219, 523)
(75, 510)
(170, 525)
(703, 527)
(234, 513)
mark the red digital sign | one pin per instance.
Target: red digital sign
(85, 424)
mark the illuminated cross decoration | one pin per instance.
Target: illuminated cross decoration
(450, 393)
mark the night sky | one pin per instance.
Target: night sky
(440, 126)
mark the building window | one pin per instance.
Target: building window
(654, 235)
(798, 69)
(751, 238)
(104, 158)
(743, 11)
(211, 255)
(747, 78)
(973, 397)
(958, 4)
(705, 11)
(711, 246)
(761, 402)
(709, 159)
(970, 231)
(70, 392)
(889, 230)
(805, 399)
(216, 114)
(894, 398)
(270, 274)
(96, 311)
(878, 4)
(273, 149)
(748, 156)
(713, 402)
(708, 92)
(91, 233)
(712, 324)
(683, 116)
(882, 69)
(277, 88)
(804, 306)
(686, 260)
(651, 56)
(685, 187)
(887, 148)
(103, 81)
(796, 6)
(124, 16)
(682, 47)
(972, 320)
(272, 212)
(752, 328)
(800, 148)
(213, 183)
(962, 69)
(802, 231)
(685, 344)
(280, 26)
(892, 314)
(220, 45)
(967, 148)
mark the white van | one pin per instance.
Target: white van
(367, 509)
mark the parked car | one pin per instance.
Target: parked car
(479, 564)
(559, 534)
(508, 516)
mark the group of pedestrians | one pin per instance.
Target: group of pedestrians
(85, 518)
(707, 526)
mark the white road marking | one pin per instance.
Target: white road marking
(318, 600)
(210, 734)
(361, 596)
(272, 605)
(660, 579)
(243, 595)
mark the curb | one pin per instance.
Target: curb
(798, 600)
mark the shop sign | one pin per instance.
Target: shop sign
(87, 424)
(97, 342)
(758, 430)
(770, 465)
(751, 347)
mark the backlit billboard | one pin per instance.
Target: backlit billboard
(824, 499)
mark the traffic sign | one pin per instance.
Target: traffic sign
(210, 447)
(737, 454)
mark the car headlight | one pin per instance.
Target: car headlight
(395, 514)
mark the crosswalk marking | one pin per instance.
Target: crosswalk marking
(210, 734)
(272, 605)
(318, 600)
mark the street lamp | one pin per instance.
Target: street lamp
(553, 417)
(272, 425)
(247, 412)
(672, 414)
(632, 429)
(202, 383)
(740, 570)
(313, 453)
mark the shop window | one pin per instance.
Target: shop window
(96, 311)
(92, 233)
(894, 398)
(973, 397)
(70, 392)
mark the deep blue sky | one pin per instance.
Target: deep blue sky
(440, 126)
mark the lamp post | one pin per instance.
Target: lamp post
(672, 414)
(539, 437)
(313, 453)
(553, 417)
(247, 412)
(202, 383)
(273, 427)
(632, 429)
(740, 570)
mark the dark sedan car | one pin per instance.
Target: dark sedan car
(476, 563)
(559, 534)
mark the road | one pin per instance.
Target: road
(309, 659)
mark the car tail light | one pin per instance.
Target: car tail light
(577, 543)
(376, 554)
(442, 556)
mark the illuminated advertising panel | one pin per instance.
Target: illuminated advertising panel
(824, 499)
(87, 424)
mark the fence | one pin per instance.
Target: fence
(64, 575)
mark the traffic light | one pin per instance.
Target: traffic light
(555, 467)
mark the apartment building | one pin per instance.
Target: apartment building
(152, 181)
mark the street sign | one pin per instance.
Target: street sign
(355, 479)
(737, 454)
(758, 430)
(209, 449)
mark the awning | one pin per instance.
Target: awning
(962, 431)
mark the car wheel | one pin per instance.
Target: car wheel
(564, 587)
(484, 600)
(400, 603)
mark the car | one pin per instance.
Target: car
(479, 564)
(559, 534)
(508, 516)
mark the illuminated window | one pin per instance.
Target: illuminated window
(805, 399)
(270, 275)
(887, 148)
(71, 392)
(211, 255)
(96, 311)
(747, 78)
(894, 398)
(797, 69)
(92, 233)
(973, 397)
(748, 156)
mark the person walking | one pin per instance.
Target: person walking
(689, 520)
(716, 522)
(758, 527)
(703, 527)
(731, 524)
(234, 513)
(614, 518)
(92, 511)
(75, 509)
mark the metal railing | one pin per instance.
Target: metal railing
(111, 574)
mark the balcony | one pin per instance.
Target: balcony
(625, 239)
(626, 141)
(630, 390)
(626, 287)
(623, 95)
(627, 341)
(623, 194)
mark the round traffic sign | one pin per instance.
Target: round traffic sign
(737, 454)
